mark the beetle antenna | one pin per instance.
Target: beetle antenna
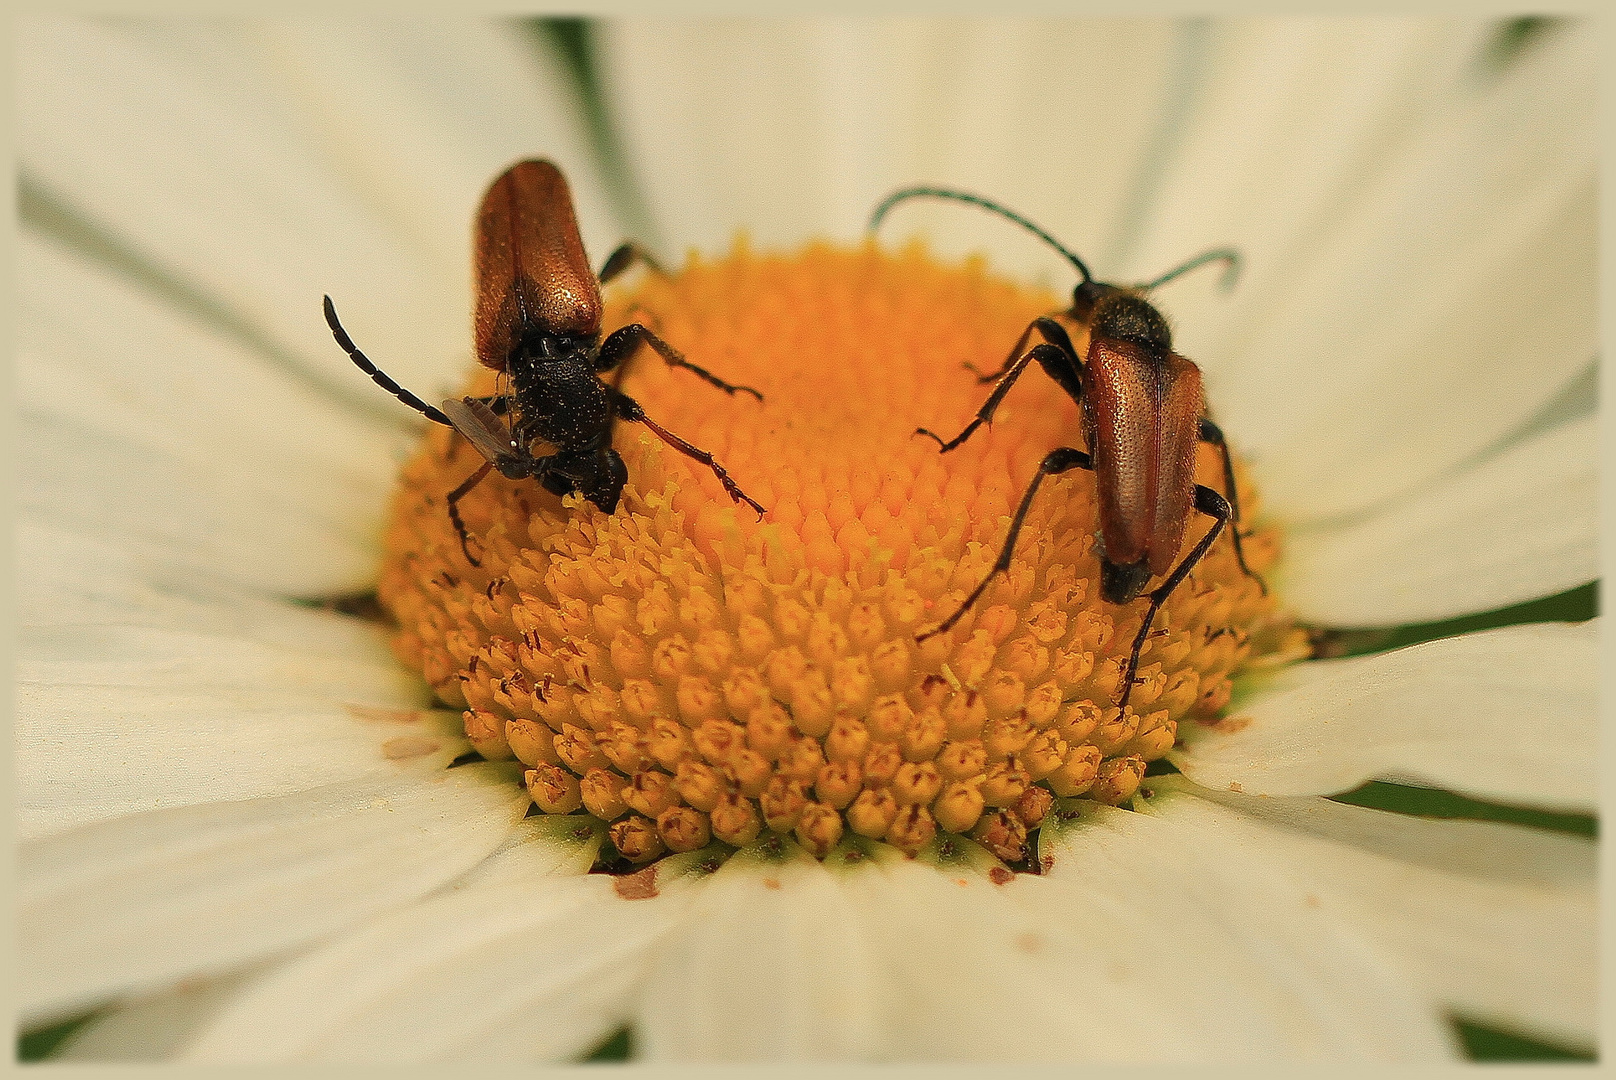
(987, 204)
(1228, 256)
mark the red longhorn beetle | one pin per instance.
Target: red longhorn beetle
(537, 322)
(1143, 414)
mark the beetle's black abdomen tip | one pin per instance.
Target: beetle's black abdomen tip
(1124, 317)
(1120, 584)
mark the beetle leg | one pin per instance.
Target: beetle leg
(630, 410)
(626, 255)
(621, 344)
(1053, 332)
(1057, 461)
(454, 511)
(1052, 358)
(382, 379)
(1208, 502)
(1009, 361)
(1211, 433)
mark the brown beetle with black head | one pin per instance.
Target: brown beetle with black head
(537, 321)
(1143, 413)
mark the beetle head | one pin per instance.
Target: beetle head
(1087, 295)
(607, 485)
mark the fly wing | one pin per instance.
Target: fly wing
(530, 268)
(1177, 436)
(480, 426)
(1121, 386)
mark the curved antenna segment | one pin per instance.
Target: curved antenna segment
(1228, 256)
(976, 200)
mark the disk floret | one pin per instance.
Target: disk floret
(688, 674)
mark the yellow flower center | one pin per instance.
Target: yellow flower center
(687, 672)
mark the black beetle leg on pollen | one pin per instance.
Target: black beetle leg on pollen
(1214, 505)
(1055, 355)
(622, 344)
(619, 349)
(1211, 433)
(1053, 332)
(477, 419)
(454, 509)
(1061, 459)
(629, 409)
(627, 254)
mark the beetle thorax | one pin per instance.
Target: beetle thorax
(1123, 316)
(558, 394)
(544, 364)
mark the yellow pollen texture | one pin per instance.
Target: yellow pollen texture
(689, 673)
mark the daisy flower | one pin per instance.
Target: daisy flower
(298, 781)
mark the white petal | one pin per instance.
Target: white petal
(772, 964)
(137, 694)
(539, 846)
(534, 967)
(113, 721)
(163, 1025)
(76, 580)
(143, 425)
(975, 971)
(1520, 525)
(1067, 967)
(1498, 922)
(1240, 968)
(141, 901)
(156, 1027)
(182, 138)
(798, 128)
(162, 508)
(1290, 119)
(1106, 963)
(1513, 855)
(1506, 714)
(1394, 350)
(431, 110)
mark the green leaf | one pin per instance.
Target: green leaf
(1486, 1044)
(1573, 605)
(620, 1047)
(1512, 37)
(41, 1043)
(1432, 802)
(574, 42)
